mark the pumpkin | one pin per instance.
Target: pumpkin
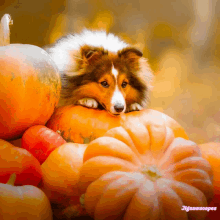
(144, 172)
(60, 173)
(211, 152)
(20, 161)
(30, 86)
(82, 125)
(23, 202)
(41, 141)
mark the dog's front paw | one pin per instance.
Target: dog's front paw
(88, 102)
(134, 107)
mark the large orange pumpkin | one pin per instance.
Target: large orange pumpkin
(30, 85)
(144, 172)
(82, 125)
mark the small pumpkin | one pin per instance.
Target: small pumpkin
(60, 173)
(144, 172)
(30, 85)
(41, 141)
(23, 202)
(71, 121)
(20, 161)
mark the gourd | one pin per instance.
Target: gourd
(30, 85)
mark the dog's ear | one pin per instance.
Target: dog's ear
(130, 53)
(90, 54)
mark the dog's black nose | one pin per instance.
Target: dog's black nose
(119, 108)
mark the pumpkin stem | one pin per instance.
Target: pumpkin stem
(82, 200)
(151, 171)
(4, 30)
(11, 180)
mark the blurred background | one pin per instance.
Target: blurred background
(180, 38)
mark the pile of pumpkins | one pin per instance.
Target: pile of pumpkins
(73, 161)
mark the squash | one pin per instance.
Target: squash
(82, 125)
(211, 152)
(144, 172)
(20, 161)
(30, 85)
(23, 202)
(41, 141)
(60, 173)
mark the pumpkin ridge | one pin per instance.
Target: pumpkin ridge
(188, 163)
(141, 207)
(136, 129)
(106, 146)
(184, 175)
(95, 167)
(203, 186)
(163, 187)
(179, 186)
(98, 186)
(121, 134)
(197, 198)
(121, 189)
(172, 155)
(169, 137)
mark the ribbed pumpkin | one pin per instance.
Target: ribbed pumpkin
(30, 85)
(82, 125)
(144, 172)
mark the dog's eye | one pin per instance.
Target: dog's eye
(105, 84)
(124, 84)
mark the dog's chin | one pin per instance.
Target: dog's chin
(114, 114)
(102, 106)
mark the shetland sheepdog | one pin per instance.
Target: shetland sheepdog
(99, 70)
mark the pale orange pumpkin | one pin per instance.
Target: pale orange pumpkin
(30, 85)
(144, 172)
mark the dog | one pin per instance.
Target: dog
(99, 70)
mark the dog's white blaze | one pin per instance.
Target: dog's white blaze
(115, 72)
